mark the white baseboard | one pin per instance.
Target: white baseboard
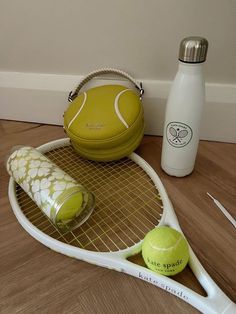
(43, 98)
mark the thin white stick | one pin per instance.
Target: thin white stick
(223, 209)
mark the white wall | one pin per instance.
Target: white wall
(47, 45)
(142, 37)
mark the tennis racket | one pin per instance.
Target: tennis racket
(130, 201)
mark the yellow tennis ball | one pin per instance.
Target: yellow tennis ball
(165, 251)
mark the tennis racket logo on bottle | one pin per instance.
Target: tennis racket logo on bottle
(178, 134)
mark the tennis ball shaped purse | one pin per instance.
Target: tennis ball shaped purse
(105, 123)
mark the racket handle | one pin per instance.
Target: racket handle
(62, 199)
(223, 210)
(231, 309)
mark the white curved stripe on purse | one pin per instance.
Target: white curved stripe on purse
(80, 109)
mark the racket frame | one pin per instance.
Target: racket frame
(215, 301)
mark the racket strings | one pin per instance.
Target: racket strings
(127, 203)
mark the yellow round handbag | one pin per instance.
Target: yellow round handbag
(105, 123)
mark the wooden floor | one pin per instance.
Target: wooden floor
(34, 279)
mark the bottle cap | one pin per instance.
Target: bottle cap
(193, 49)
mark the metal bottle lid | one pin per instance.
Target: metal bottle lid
(193, 49)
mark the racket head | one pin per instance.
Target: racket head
(108, 229)
(173, 131)
(183, 133)
(117, 259)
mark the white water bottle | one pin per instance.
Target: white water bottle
(184, 109)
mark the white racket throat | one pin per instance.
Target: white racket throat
(215, 301)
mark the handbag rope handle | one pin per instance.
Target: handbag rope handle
(95, 73)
